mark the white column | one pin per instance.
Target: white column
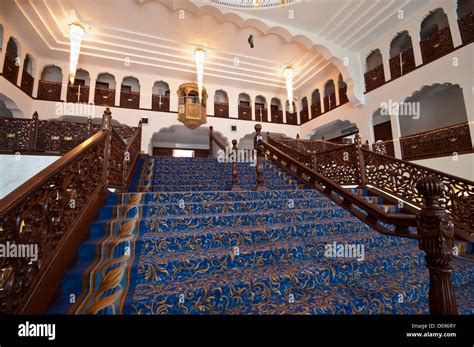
(146, 88)
(92, 81)
(414, 32)
(21, 62)
(118, 84)
(386, 61)
(395, 124)
(65, 71)
(233, 105)
(468, 94)
(37, 76)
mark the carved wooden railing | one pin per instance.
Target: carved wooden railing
(10, 69)
(291, 118)
(245, 112)
(160, 102)
(27, 82)
(130, 99)
(50, 91)
(443, 141)
(301, 156)
(221, 109)
(34, 135)
(261, 114)
(374, 78)
(77, 93)
(52, 212)
(402, 63)
(304, 115)
(384, 147)
(466, 27)
(436, 45)
(309, 146)
(104, 97)
(316, 109)
(277, 116)
(432, 226)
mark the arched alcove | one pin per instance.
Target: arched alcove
(465, 12)
(27, 79)
(342, 90)
(374, 75)
(402, 59)
(160, 96)
(304, 113)
(329, 95)
(221, 104)
(130, 92)
(105, 89)
(261, 111)
(12, 62)
(316, 108)
(79, 91)
(435, 35)
(245, 107)
(291, 117)
(276, 111)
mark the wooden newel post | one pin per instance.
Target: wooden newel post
(210, 141)
(437, 241)
(33, 136)
(235, 172)
(106, 126)
(258, 146)
(297, 136)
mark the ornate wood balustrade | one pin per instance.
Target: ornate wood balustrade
(304, 115)
(160, 102)
(384, 147)
(466, 27)
(245, 112)
(130, 99)
(436, 45)
(443, 141)
(316, 110)
(104, 97)
(433, 191)
(374, 78)
(52, 211)
(291, 118)
(402, 63)
(35, 135)
(77, 93)
(10, 69)
(27, 82)
(50, 91)
(221, 109)
(277, 116)
(308, 146)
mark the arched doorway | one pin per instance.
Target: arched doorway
(160, 98)
(50, 84)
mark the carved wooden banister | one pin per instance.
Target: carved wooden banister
(258, 146)
(235, 172)
(51, 213)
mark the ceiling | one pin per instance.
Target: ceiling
(159, 37)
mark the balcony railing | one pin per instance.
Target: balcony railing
(439, 142)
(277, 116)
(374, 78)
(329, 102)
(50, 91)
(466, 27)
(160, 102)
(104, 97)
(436, 45)
(261, 114)
(316, 110)
(291, 118)
(77, 93)
(10, 69)
(130, 99)
(221, 109)
(27, 82)
(304, 115)
(245, 112)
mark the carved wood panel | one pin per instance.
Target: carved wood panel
(304, 115)
(50, 91)
(466, 26)
(160, 103)
(436, 45)
(343, 96)
(374, 78)
(77, 93)
(277, 116)
(10, 69)
(130, 99)
(27, 82)
(291, 118)
(340, 165)
(245, 112)
(104, 97)
(316, 109)
(15, 133)
(261, 114)
(221, 109)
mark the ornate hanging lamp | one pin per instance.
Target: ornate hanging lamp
(77, 32)
(288, 73)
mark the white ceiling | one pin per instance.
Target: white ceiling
(155, 37)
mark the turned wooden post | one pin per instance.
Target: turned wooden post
(33, 136)
(258, 146)
(361, 160)
(235, 172)
(89, 126)
(210, 141)
(106, 126)
(297, 136)
(437, 240)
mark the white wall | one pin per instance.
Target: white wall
(462, 166)
(16, 170)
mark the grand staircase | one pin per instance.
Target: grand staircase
(180, 242)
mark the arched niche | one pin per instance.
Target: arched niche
(245, 106)
(435, 36)
(221, 104)
(50, 84)
(105, 89)
(261, 111)
(160, 97)
(276, 111)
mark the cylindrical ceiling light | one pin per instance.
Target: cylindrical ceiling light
(288, 73)
(77, 32)
(199, 55)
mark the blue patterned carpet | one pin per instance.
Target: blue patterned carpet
(181, 243)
